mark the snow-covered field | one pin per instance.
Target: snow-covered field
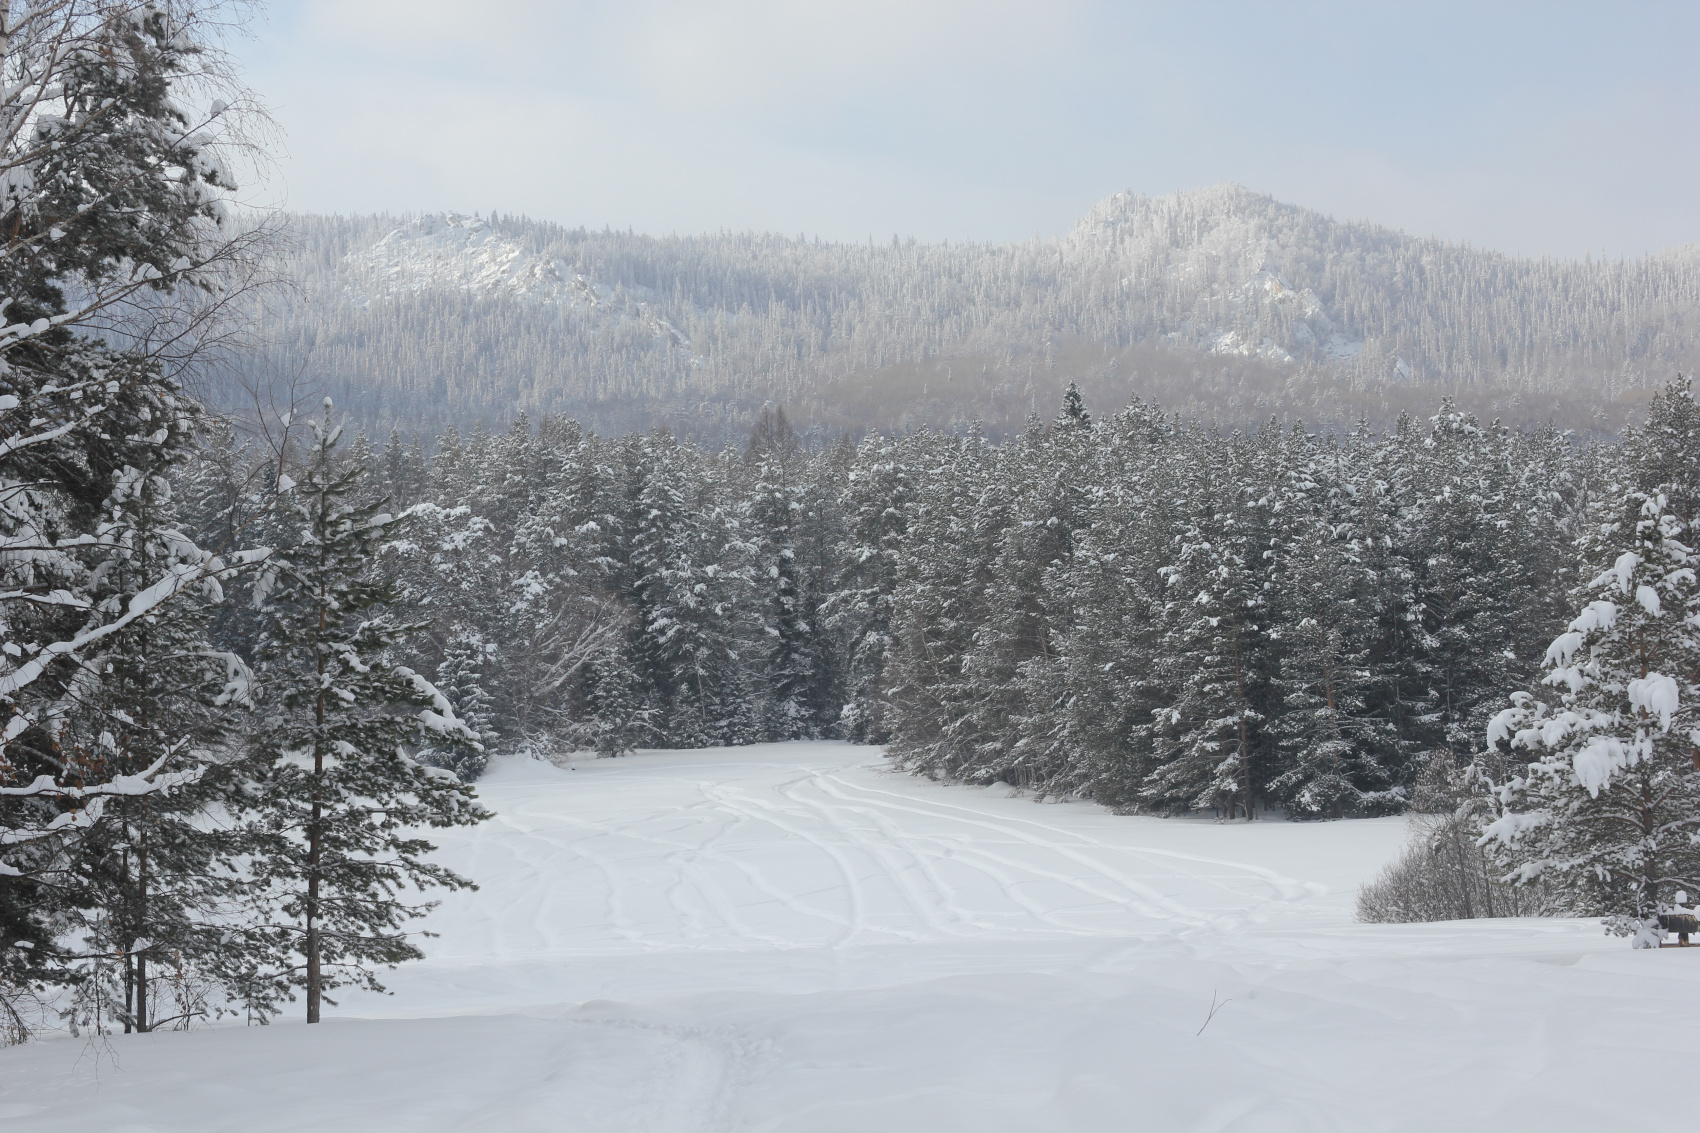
(788, 937)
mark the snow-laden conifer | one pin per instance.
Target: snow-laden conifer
(1608, 811)
(339, 805)
(1208, 736)
(1333, 753)
(115, 257)
(876, 499)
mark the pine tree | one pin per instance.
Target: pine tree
(1073, 414)
(1605, 815)
(151, 868)
(1208, 738)
(1046, 479)
(787, 659)
(1091, 707)
(693, 566)
(818, 532)
(938, 606)
(116, 251)
(461, 678)
(878, 496)
(1608, 814)
(617, 721)
(340, 801)
(1335, 754)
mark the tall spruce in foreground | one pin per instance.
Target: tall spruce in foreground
(340, 802)
(111, 220)
(150, 873)
(1608, 814)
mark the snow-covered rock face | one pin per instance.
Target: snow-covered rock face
(447, 250)
(1217, 250)
(450, 252)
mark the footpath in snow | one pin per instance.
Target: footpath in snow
(789, 938)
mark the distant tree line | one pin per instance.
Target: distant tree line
(1137, 609)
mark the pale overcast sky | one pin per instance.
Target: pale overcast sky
(1545, 129)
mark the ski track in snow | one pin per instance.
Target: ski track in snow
(895, 868)
(788, 938)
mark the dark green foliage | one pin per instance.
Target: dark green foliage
(1168, 619)
(339, 805)
(117, 711)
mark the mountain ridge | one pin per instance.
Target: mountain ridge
(1224, 301)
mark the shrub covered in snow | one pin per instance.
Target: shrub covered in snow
(1443, 875)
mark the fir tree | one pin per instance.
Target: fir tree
(116, 252)
(340, 802)
(461, 678)
(1608, 812)
(153, 870)
(1207, 739)
(1335, 754)
(878, 495)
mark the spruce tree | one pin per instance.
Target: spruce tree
(461, 678)
(1608, 812)
(116, 250)
(154, 869)
(1335, 753)
(1091, 707)
(339, 803)
(1209, 735)
(877, 499)
(786, 657)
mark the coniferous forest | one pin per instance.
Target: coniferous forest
(1221, 303)
(1133, 608)
(249, 662)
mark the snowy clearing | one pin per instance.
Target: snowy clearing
(788, 937)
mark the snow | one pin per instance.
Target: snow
(789, 938)
(1602, 757)
(448, 251)
(1623, 569)
(462, 253)
(1656, 695)
(1649, 599)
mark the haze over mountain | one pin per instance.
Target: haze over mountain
(1219, 302)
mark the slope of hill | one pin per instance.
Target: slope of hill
(784, 938)
(1218, 301)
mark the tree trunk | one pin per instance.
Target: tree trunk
(314, 980)
(129, 966)
(129, 994)
(141, 922)
(141, 993)
(1245, 739)
(315, 836)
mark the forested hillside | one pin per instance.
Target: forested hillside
(1220, 302)
(1137, 609)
